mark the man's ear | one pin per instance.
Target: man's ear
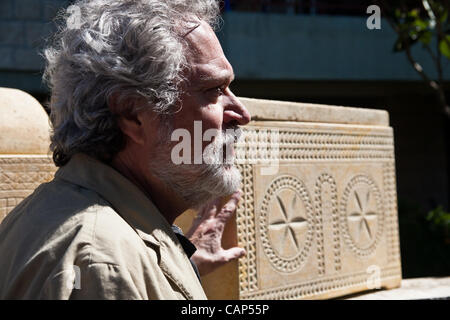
(128, 121)
(132, 127)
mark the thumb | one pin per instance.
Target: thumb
(233, 254)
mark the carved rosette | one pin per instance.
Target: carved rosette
(286, 225)
(362, 215)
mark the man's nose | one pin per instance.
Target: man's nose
(234, 110)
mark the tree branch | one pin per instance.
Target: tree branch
(436, 86)
(433, 56)
(419, 69)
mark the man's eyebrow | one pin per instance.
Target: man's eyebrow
(224, 77)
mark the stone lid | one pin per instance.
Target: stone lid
(24, 124)
(269, 110)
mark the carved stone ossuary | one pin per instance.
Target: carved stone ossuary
(318, 216)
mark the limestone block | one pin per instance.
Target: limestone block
(24, 141)
(318, 217)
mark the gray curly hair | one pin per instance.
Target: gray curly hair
(129, 48)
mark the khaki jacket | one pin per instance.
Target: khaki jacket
(92, 234)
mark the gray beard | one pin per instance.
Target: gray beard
(197, 184)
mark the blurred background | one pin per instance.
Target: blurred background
(328, 52)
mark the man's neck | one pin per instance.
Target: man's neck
(168, 203)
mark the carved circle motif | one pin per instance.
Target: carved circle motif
(286, 227)
(362, 215)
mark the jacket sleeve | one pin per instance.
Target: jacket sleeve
(96, 281)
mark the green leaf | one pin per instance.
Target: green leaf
(414, 13)
(444, 16)
(438, 8)
(444, 46)
(446, 218)
(420, 24)
(413, 35)
(398, 14)
(425, 37)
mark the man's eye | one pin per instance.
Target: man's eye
(217, 91)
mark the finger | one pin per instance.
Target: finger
(208, 210)
(237, 196)
(233, 254)
(230, 206)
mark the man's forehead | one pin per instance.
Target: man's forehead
(203, 45)
(212, 72)
(205, 55)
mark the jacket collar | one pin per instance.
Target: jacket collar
(135, 208)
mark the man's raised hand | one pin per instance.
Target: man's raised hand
(206, 234)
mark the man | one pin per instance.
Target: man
(125, 75)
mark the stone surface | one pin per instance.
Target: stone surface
(19, 176)
(309, 112)
(318, 217)
(24, 124)
(412, 289)
(24, 142)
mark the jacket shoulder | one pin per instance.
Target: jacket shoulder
(62, 225)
